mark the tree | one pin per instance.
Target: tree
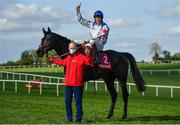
(10, 63)
(155, 50)
(27, 57)
(176, 56)
(166, 54)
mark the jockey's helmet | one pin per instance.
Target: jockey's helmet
(98, 13)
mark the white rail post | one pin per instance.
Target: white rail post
(29, 89)
(26, 77)
(156, 91)
(151, 72)
(57, 89)
(3, 86)
(86, 87)
(105, 87)
(40, 91)
(168, 72)
(16, 86)
(34, 77)
(129, 89)
(7, 76)
(171, 92)
(96, 86)
(143, 93)
(117, 87)
(49, 80)
(141, 72)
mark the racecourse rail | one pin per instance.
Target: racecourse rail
(39, 66)
(58, 83)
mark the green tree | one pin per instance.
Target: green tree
(176, 56)
(155, 50)
(166, 55)
(11, 63)
(26, 58)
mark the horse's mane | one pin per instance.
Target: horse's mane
(64, 41)
(63, 38)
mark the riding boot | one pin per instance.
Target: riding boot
(97, 60)
(93, 53)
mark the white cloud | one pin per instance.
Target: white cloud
(19, 17)
(173, 10)
(119, 23)
(173, 31)
(167, 10)
(125, 44)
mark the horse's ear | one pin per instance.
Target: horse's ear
(49, 30)
(44, 31)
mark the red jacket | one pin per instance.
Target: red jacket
(74, 67)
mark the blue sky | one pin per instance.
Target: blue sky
(134, 24)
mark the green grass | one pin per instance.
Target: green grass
(36, 69)
(159, 66)
(49, 109)
(24, 108)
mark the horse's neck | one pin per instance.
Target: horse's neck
(61, 46)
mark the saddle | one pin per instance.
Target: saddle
(103, 60)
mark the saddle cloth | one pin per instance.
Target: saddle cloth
(105, 63)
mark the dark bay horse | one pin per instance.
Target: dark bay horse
(120, 63)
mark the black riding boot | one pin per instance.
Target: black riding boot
(97, 60)
(94, 54)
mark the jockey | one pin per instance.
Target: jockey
(98, 29)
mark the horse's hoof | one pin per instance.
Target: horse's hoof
(109, 116)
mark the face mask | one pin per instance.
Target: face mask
(72, 51)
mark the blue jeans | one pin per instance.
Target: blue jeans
(78, 93)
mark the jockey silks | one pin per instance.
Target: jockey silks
(99, 33)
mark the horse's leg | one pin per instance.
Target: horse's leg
(109, 81)
(125, 98)
(122, 74)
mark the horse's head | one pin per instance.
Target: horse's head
(47, 43)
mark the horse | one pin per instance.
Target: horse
(120, 63)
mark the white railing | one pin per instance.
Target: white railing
(26, 75)
(38, 66)
(50, 78)
(86, 86)
(168, 71)
(30, 82)
(26, 66)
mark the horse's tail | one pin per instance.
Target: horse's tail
(139, 81)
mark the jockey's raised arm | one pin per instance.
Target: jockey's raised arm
(83, 21)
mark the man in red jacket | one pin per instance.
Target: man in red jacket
(74, 79)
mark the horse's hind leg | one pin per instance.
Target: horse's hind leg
(125, 99)
(109, 81)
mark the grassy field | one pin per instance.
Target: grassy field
(23, 108)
